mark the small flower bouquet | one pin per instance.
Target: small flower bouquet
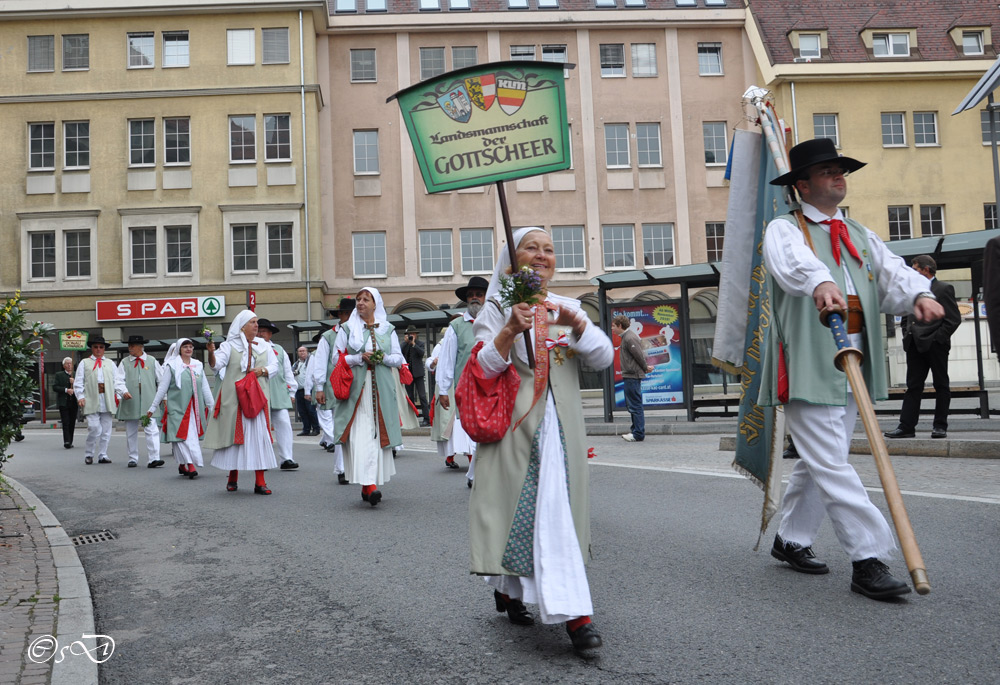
(377, 357)
(145, 420)
(524, 285)
(207, 333)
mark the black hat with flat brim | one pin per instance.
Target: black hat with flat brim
(266, 324)
(810, 152)
(475, 283)
(346, 305)
(136, 340)
(97, 340)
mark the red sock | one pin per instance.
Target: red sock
(190, 468)
(260, 478)
(450, 460)
(470, 457)
(368, 489)
(234, 476)
(575, 623)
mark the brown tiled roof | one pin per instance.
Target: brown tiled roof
(408, 6)
(844, 20)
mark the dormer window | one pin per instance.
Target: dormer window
(972, 42)
(809, 46)
(891, 44)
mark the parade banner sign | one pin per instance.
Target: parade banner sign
(488, 123)
(75, 341)
(658, 325)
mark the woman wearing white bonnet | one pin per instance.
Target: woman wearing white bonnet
(189, 403)
(530, 504)
(242, 443)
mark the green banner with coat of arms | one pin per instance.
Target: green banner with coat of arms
(488, 123)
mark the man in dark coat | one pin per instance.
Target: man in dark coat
(927, 345)
(414, 352)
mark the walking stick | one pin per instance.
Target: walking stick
(848, 359)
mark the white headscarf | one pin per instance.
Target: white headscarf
(235, 337)
(176, 364)
(503, 263)
(357, 325)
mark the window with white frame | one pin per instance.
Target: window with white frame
(521, 53)
(477, 250)
(430, 5)
(435, 253)
(891, 44)
(244, 247)
(647, 141)
(431, 63)
(274, 45)
(240, 47)
(464, 56)
(369, 254)
(612, 59)
(460, 4)
(345, 6)
(686, 3)
(363, 65)
(517, 4)
(716, 142)
(825, 126)
(990, 216)
(42, 146)
(900, 223)
(710, 3)
(141, 50)
(710, 59)
(41, 53)
(43, 255)
(554, 53)
(570, 248)
(984, 125)
(366, 152)
(176, 49)
(607, 3)
(893, 131)
(931, 220)
(76, 52)
(141, 142)
(280, 254)
(143, 251)
(616, 147)
(972, 42)
(178, 240)
(548, 4)
(277, 137)
(76, 144)
(809, 46)
(375, 6)
(635, 3)
(176, 141)
(242, 138)
(657, 244)
(643, 60)
(619, 246)
(925, 130)
(77, 246)
(715, 238)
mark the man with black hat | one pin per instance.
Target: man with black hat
(97, 394)
(834, 263)
(323, 364)
(455, 350)
(140, 374)
(281, 394)
(413, 353)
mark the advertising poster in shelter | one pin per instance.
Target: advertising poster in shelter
(658, 325)
(492, 122)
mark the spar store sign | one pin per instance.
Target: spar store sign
(208, 307)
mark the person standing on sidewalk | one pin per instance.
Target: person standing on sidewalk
(305, 408)
(634, 369)
(95, 390)
(927, 345)
(66, 401)
(140, 374)
(413, 353)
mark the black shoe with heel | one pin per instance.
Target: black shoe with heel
(515, 609)
(585, 638)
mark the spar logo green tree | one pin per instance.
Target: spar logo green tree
(20, 342)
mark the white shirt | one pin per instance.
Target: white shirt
(444, 373)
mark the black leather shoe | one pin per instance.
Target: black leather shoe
(103, 460)
(342, 479)
(516, 611)
(261, 490)
(801, 559)
(67, 445)
(450, 463)
(900, 433)
(324, 444)
(156, 463)
(374, 498)
(939, 433)
(364, 496)
(331, 448)
(585, 638)
(303, 434)
(133, 464)
(790, 452)
(288, 464)
(871, 578)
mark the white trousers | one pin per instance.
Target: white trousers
(325, 418)
(98, 434)
(281, 427)
(338, 453)
(823, 482)
(152, 434)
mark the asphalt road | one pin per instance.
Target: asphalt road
(311, 585)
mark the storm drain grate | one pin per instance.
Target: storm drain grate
(91, 538)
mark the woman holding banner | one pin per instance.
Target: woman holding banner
(529, 509)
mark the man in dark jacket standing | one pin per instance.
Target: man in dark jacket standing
(927, 346)
(634, 369)
(413, 353)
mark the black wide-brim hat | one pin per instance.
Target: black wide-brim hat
(346, 305)
(475, 283)
(136, 340)
(810, 152)
(97, 340)
(266, 323)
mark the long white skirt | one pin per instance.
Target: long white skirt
(365, 462)
(559, 584)
(458, 443)
(189, 451)
(254, 454)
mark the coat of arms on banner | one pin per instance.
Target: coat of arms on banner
(511, 94)
(482, 90)
(456, 104)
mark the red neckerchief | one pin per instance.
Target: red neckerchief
(541, 354)
(838, 233)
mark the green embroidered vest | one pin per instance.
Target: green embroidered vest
(280, 399)
(141, 383)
